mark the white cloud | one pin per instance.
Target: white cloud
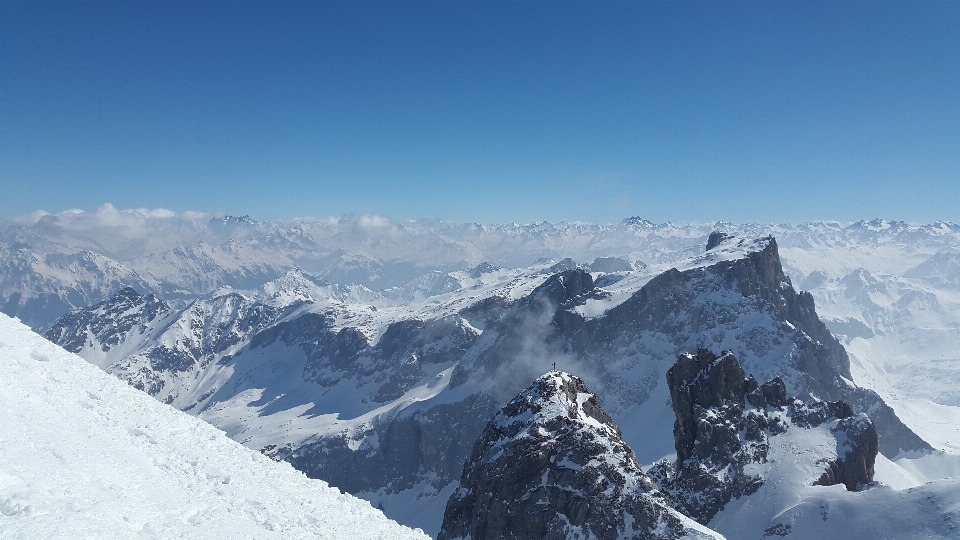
(118, 231)
(30, 218)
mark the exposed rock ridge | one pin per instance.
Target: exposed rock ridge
(716, 238)
(107, 322)
(724, 423)
(683, 306)
(551, 464)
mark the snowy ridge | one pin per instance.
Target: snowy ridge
(617, 292)
(186, 357)
(85, 455)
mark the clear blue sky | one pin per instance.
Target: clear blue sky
(523, 111)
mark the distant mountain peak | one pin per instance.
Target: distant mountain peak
(638, 222)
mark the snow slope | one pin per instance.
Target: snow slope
(803, 511)
(87, 456)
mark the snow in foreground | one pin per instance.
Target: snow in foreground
(86, 456)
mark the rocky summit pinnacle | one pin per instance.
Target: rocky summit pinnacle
(552, 464)
(716, 238)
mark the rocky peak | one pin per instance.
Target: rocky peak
(551, 464)
(564, 287)
(638, 222)
(699, 382)
(716, 238)
(724, 426)
(107, 322)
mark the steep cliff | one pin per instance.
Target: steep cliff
(726, 424)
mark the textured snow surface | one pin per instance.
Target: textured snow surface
(86, 456)
(789, 505)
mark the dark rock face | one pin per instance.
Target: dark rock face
(858, 448)
(551, 464)
(701, 382)
(724, 422)
(562, 288)
(715, 238)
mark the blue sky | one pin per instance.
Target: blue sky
(484, 111)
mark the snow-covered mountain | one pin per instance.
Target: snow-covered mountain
(359, 337)
(382, 392)
(751, 463)
(755, 463)
(86, 456)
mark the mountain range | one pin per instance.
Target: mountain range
(372, 354)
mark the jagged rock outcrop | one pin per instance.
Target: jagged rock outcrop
(716, 238)
(552, 464)
(106, 322)
(723, 430)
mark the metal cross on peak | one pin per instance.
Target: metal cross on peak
(554, 366)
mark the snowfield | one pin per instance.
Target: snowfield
(789, 505)
(87, 456)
